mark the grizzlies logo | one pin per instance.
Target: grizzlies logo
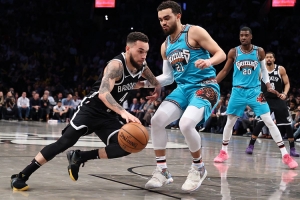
(261, 98)
(208, 94)
(179, 58)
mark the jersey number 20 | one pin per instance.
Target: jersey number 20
(247, 71)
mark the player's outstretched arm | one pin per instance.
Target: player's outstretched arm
(113, 72)
(202, 37)
(228, 65)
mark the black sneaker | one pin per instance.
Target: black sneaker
(74, 163)
(18, 182)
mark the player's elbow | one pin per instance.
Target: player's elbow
(102, 96)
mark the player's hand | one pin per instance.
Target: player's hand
(202, 64)
(155, 94)
(139, 84)
(282, 96)
(129, 117)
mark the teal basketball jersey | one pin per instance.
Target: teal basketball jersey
(246, 68)
(182, 56)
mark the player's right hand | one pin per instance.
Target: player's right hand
(129, 117)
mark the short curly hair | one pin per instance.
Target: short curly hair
(137, 36)
(176, 8)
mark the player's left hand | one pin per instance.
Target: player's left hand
(282, 96)
(155, 94)
(202, 64)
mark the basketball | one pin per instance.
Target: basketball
(133, 137)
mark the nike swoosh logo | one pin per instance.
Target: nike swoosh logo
(127, 76)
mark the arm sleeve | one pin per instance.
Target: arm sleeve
(264, 72)
(166, 78)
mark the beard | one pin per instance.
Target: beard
(171, 29)
(135, 64)
(269, 63)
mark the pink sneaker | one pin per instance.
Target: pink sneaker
(221, 157)
(289, 161)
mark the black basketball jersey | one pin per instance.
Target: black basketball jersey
(121, 87)
(275, 81)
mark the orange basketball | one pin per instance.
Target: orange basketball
(133, 137)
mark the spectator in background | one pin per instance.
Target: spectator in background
(50, 98)
(1, 104)
(248, 120)
(32, 95)
(70, 105)
(45, 107)
(216, 119)
(76, 100)
(134, 106)
(292, 108)
(60, 112)
(35, 107)
(23, 106)
(140, 112)
(59, 97)
(150, 112)
(10, 110)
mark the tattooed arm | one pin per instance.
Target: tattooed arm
(112, 73)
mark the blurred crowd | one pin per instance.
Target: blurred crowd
(51, 51)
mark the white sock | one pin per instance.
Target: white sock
(161, 162)
(197, 162)
(225, 145)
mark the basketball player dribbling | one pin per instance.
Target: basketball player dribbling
(98, 112)
(186, 58)
(249, 62)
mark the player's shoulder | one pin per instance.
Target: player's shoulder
(232, 52)
(195, 28)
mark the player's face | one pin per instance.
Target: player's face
(138, 53)
(168, 21)
(245, 37)
(269, 59)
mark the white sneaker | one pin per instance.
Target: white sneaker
(194, 179)
(159, 179)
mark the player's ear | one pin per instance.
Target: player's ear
(127, 48)
(178, 16)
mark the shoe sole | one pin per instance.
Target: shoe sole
(198, 185)
(167, 182)
(16, 189)
(22, 189)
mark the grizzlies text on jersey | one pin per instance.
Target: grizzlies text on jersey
(182, 57)
(246, 68)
